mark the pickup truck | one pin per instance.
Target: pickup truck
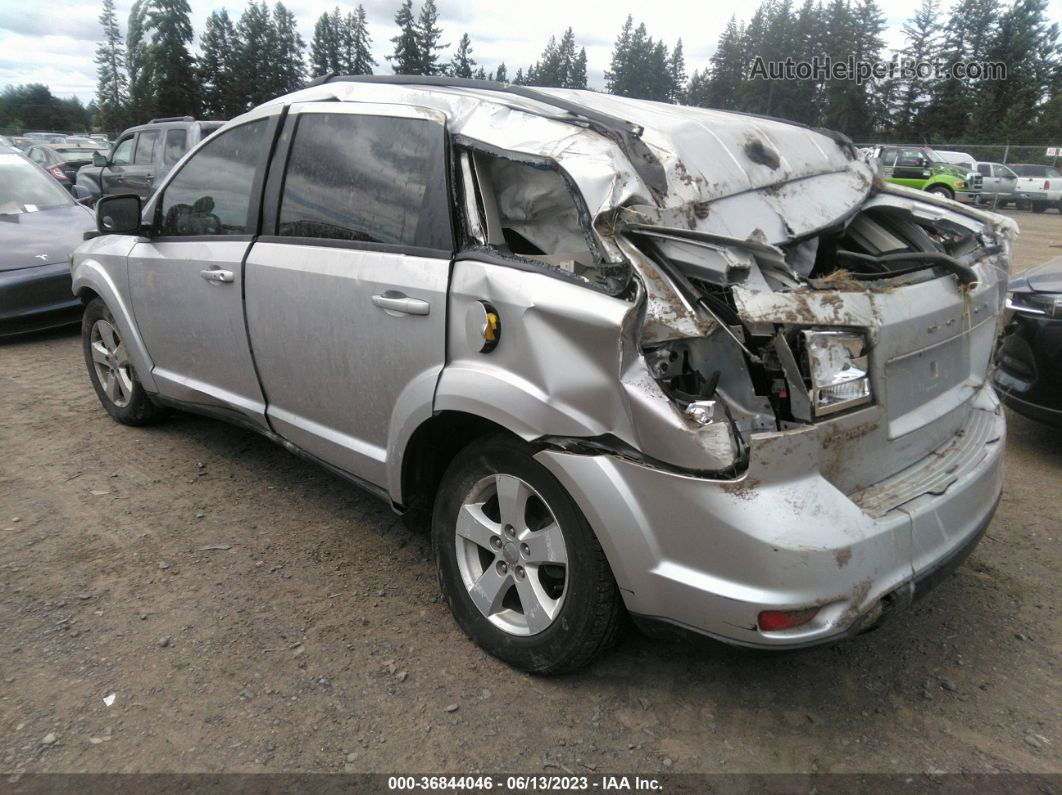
(1038, 187)
(923, 169)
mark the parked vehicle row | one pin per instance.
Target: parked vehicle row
(40, 225)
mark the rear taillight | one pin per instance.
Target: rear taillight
(57, 172)
(1047, 184)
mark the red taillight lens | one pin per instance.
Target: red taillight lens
(57, 172)
(773, 620)
(1047, 184)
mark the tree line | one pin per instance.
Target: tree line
(241, 63)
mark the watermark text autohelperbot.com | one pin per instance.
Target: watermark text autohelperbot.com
(823, 67)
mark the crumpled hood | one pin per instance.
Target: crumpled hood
(737, 175)
(1044, 278)
(42, 237)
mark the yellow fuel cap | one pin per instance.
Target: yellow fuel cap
(482, 327)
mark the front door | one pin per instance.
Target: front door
(112, 176)
(187, 279)
(346, 288)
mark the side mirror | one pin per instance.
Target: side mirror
(118, 215)
(81, 194)
(99, 160)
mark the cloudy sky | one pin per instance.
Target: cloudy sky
(53, 42)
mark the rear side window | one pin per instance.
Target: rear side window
(145, 148)
(211, 194)
(368, 179)
(176, 143)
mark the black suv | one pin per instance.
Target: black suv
(143, 155)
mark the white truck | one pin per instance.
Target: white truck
(1038, 187)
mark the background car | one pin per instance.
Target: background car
(961, 159)
(62, 161)
(40, 225)
(1038, 187)
(997, 184)
(1028, 374)
(143, 155)
(922, 168)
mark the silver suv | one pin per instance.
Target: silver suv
(697, 367)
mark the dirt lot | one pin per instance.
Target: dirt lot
(250, 612)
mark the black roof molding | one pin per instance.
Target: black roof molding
(626, 134)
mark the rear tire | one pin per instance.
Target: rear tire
(1039, 207)
(111, 372)
(519, 565)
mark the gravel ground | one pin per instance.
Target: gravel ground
(190, 597)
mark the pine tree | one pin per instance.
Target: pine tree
(617, 75)
(174, 87)
(577, 79)
(721, 86)
(253, 68)
(141, 104)
(502, 73)
(698, 89)
(406, 59)
(112, 85)
(360, 43)
(676, 68)
(428, 34)
(215, 67)
(462, 64)
(286, 68)
(911, 92)
(519, 79)
(481, 74)
(970, 29)
(324, 47)
(1028, 44)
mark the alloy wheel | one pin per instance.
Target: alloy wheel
(511, 555)
(111, 362)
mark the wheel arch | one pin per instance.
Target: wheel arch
(91, 280)
(429, 451)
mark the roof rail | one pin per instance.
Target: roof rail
(625, 134)
(172, 118)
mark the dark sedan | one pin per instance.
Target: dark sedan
(40, 224)
(1028, 371)
(63, 160)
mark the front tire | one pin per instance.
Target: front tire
(110, 370)
(941, 190)
(519, 565)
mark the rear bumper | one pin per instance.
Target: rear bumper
(709, 556)
(32, 299)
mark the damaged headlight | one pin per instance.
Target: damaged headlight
(837, 370)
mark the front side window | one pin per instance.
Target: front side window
(123, 153)
(176, 143)
(369, 179)
(145, 148)
(984, 170)
(211, 194)
(888, 157)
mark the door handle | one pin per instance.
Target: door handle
(220, 277)
(395, 303)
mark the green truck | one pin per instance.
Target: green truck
(922, 168)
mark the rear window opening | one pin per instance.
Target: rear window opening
(526, 209)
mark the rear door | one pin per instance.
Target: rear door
(346, 288)
(187, 280)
